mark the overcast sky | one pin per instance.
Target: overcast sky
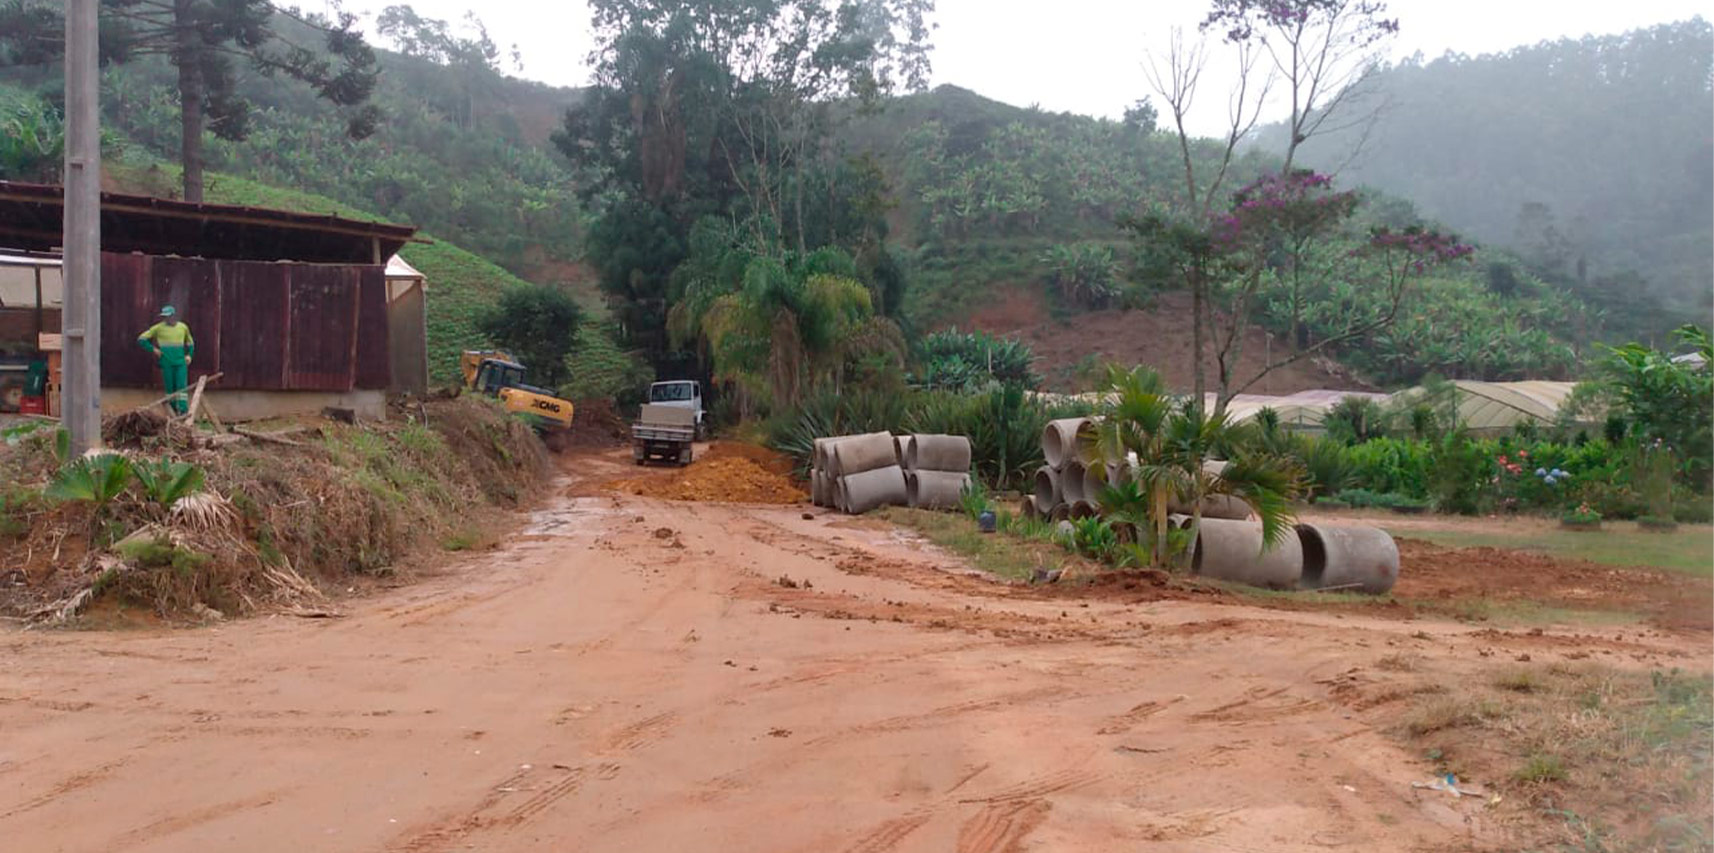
(1082, 56)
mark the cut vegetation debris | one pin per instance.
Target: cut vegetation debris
(178, 530)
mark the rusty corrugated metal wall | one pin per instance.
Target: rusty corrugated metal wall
(267, 326)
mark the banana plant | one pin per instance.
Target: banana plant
(165, 481)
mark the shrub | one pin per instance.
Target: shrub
(1581, 515)
(1326, 464)
(1391, 465)
(1366, 499)
(966, 361)
(1460, 467)
(537, 324)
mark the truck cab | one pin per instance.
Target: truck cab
(681, 394)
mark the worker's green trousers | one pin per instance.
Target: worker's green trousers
(174, 373)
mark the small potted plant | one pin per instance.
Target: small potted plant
(1581, 518)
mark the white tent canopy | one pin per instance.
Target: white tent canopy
(19, 275)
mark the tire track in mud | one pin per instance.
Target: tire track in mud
(1001, 827)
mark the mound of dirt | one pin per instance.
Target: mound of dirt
(729, 472)
(595, 423)
(1435, 572)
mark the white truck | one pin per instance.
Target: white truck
(663, 432)
(682, 394)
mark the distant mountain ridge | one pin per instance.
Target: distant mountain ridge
(1593, 158)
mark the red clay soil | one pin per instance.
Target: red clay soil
(1430, 572)
(727, 472)
(1159, 337)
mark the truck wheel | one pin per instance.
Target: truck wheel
(684, 457)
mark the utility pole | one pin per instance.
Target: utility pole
(80, 402)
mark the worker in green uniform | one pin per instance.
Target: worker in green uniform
(173, 346)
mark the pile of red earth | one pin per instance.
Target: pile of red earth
(729, 473)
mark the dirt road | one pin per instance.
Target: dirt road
(633, 675)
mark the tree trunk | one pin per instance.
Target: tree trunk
(1199, 383)
(188, 56)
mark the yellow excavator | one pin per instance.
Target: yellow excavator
(498, 374)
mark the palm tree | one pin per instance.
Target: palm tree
(1132, 425)
(776, 326)
(1172, 446)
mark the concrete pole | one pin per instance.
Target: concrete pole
(80, 406)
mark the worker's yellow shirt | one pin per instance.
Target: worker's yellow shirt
(163, 335)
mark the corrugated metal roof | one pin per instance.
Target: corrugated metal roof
(31, 218)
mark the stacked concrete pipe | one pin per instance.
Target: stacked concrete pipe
(935, 489)
(937, 469)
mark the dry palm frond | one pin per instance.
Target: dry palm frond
(204, 512)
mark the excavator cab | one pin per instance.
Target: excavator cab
(497, 375)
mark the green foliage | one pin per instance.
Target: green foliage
(1667, 402)
(1367, 499)
(95, 479)
(32, 139)
(340, 70)
(537, 324)
(1458, 469)
(1094, 538)
(1392, 465)
(1084, 273)
(164, 482)
(966, 361)
(1326, 464)
(1004, 426)
(1354, 420)
(159, 552)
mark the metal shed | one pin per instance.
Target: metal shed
(292, 309)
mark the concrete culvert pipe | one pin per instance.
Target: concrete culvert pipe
(937, 489)
(818, 456)
(1358, 558)
(1084, 509)
(817, 488)
(862, 453)
(1094, 481)
(938, 453)
(1071, 481)
(1083, 442)
(1060, 513)
(1059, 440)
(1214, 506)
(1048, 492)
(1027, 508)
(1232, 551)
(902, 448)
(876, 487)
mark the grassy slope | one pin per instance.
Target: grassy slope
(460, 283)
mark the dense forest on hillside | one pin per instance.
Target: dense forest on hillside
(1592, 158)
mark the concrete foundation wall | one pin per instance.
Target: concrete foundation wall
(256, 405)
